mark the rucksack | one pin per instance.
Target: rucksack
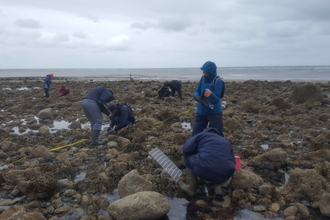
(223, 85)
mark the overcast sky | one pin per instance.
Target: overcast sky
(163, 33)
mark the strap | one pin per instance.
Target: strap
(215, 80)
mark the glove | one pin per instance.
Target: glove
(112, 132)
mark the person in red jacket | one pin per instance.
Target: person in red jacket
(64, 91)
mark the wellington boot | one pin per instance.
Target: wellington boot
(95, 138)
(191, 186)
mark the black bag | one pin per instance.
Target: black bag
(223, 85)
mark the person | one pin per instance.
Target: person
(64, 91)
(121, 116)
(210, 157)
(94, 103)
(46, 85)
(172, 87)
(208, 114)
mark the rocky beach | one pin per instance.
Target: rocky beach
(280, 130)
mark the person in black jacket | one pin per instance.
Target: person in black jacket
(174, 85)
(121, 116)
(209, 156)
(94, 103)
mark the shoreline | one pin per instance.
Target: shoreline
(111, 79)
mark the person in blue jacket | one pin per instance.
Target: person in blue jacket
(46, 85)
(209, 156)
(94, 103)
(121, 116)
(210, 113)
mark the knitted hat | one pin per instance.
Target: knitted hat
(52, 75)
(112, 107)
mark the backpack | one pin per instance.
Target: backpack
(215, 80)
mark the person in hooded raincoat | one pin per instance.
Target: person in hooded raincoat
(46, 85)
(211, 113)
(171, 86)
(209, 156)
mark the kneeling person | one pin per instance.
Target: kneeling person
(121, 116)
(209, 156)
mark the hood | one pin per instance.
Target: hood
(213, 130)
(211, 69)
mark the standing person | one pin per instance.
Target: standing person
(121, 116)
(63, 90)
(46, 85)
(175, 86)
(93, 104)
(209, 156)
(209, 114)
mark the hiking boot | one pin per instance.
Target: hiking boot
(95, 138)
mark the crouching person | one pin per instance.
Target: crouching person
(209, 156)
(121, 116)
(170, 88)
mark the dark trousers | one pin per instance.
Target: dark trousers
(46, 93)
(201, 122)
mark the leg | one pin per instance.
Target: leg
(191, 186)
(216, 122)
(46, 93)
(218, 191)
(200, 124)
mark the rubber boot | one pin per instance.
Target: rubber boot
(218, 191)
(95, 136)
(191, 186)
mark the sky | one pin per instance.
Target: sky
(163, 33)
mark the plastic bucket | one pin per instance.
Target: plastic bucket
(238, 163)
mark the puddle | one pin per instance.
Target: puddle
(79, 177)
(264, 146)
(248, 214)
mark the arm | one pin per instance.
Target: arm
(215, 96)
(191, 146)
(123, 118)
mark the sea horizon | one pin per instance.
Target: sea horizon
(271, 73)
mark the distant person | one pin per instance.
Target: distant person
(208, 93)
(64, 91)
(121, 116)
(209, 156)
(46, 85)
(94, 103)
(172, 87)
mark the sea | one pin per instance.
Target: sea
(267, 73)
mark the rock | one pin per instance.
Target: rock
(75, 125)
(145, 205)
(325, 204)
(301, 208)
(291, 211)
(245, 179)
(18, 212)
(44, 129)
(273, 159)
(306, 184)
(45, 114)
(9, 146)
(306, 93)
(132, 183)
(42, 151)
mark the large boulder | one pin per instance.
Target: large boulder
(306, 184)
(132, 183)
(18, 212)
(245, 179)
(46, 114)
(145, 205)
(306, 93)
(273, 159)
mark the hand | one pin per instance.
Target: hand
(207, 93)
(108, 129)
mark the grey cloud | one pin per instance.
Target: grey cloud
(174, 24)
(79, 34)
(61, 37)
(142, 26)
(27, 23)
(91, 17)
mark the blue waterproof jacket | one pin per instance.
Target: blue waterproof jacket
(47, 82)
(206, 82)
(102, 96)
(125, 115)
(210, 156)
